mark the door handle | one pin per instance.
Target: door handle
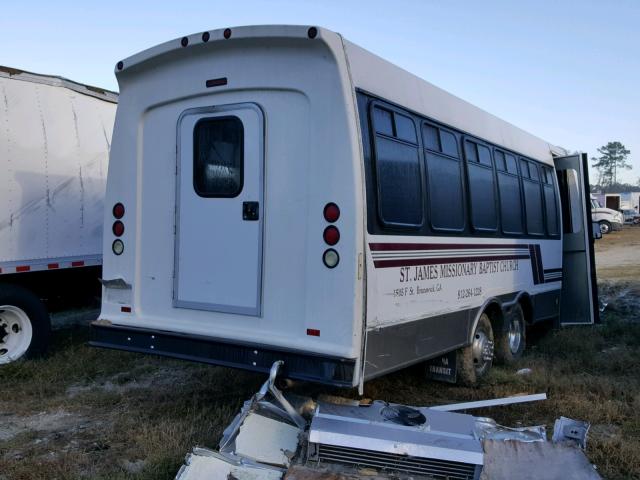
(250, 211)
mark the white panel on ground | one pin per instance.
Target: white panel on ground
(205, 464)
(267, 441)
(504, 460)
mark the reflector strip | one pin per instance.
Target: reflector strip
(313, 332)
(52, 263)
(125, 309)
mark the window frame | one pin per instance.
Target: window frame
(555, 188)
(538, 182)
(217, 118)
(459, 159)
(518, 177)
(375, 170)
(496, 201)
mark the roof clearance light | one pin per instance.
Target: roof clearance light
(118, 210)
(331, 212)
(331, 235)
(118, 228)
(117, 247)
(331, 258)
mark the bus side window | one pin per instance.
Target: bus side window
(482, 189)
(550, 201)
(510, 196)
(398, 170)
(444, 179)
(532, 197)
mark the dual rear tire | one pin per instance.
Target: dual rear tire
(505, 346)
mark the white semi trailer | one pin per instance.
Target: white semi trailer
(55, 136)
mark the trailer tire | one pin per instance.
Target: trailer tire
(605, 227)
(474, 361)
(25, 326)
(511, 342)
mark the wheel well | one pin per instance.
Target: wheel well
(496, 316)
(527, 309)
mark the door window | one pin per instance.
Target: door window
(218, 157)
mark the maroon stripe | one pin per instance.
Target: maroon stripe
(440, 246)
(443, 261)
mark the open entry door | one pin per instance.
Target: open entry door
(579, 300)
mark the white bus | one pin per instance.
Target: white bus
(279, 193)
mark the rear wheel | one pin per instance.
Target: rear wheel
(474, 361)
(510, 343)
(605, 227)
(24, 324)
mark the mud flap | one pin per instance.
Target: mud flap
(443, 369)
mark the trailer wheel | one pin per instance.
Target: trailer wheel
(474, 361)
(605, 227)
(24, 324)
(511, 342)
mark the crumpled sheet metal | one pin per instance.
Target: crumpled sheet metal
(567, 429)
(535, 461)
(487, 429)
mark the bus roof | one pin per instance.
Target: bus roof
(379, 77)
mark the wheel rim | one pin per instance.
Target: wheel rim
(604, 228)
(482, 350)
(515, 335)
(15, 333)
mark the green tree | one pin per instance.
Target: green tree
(613, 156)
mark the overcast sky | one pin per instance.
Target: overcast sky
(566, 71)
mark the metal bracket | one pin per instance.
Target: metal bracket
(568, 429)
(270, 387)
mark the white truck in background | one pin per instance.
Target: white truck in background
(55, 136)
(607, 218)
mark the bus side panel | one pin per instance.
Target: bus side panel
(426, 289)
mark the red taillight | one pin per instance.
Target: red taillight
(118, 228)
(331, 212)
(331, 235)
(118, 210)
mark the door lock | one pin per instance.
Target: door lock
(250, 211)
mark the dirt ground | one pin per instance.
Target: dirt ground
(618, 255)
(89, 413)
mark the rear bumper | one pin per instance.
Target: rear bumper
(297, 365)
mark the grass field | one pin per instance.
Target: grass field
(88, 413)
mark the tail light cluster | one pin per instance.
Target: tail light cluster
(118, 228)
(331, 235)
